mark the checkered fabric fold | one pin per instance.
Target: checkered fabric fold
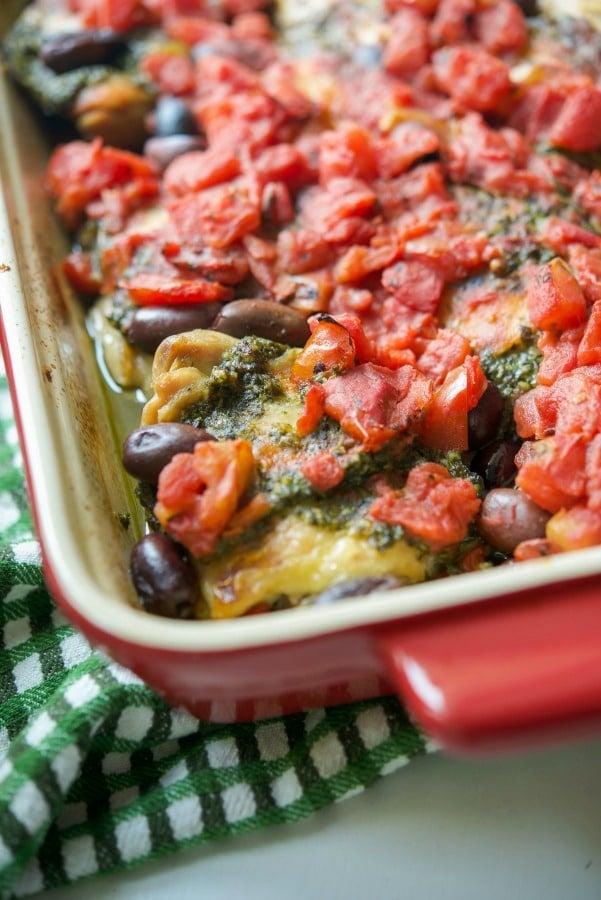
(99, 774)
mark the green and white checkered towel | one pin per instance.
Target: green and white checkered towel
(98, 774)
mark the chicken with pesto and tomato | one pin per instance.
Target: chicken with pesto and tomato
(362, 305)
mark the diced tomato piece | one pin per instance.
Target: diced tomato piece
(535, 548)
(593, 473)
(415, 284)
(225, 266)
(552, 471)
(323, 470)
(578, 402)
(575, 528)
(122, 15)
(193, 29)
(283, 162)
(364, 347)
(501, 27)
(578, 125)
(78, 172)
(408, 45)
(329, 350)
(239, 7)
(447, 350)
(313, 410)
(343, 200)
(359, 261)
(589, 350)
(453, 22)
(200, 169)
(555, 299)
(301, 250)
(586, 265)
(248, 119)
(534, 418)
(152, 289)
(536, 110)
(560, 353)
(587, 194)
(488, 158)
(473, 77)
(199, 493)
(347, 152)
(217, 216)
(407, 143)
(373, 403)
(79, 270)
(252, 23)
(561, 235)
(445, 421)
(432, 506)
(172, 73)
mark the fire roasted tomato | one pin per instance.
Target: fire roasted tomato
(329, 350)
(445, 420)
(78, 173)
(200, 493)
(555, 299)
(432, 505)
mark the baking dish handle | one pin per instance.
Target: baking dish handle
(506, 674)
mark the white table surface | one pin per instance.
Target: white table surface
(518, 828)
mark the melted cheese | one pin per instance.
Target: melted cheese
(297, 559)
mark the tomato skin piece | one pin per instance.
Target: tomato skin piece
(555, 299)
(329, 350)
(432, 506)
(589, 349)
(323, 470)
(444, 425)
(152, 289)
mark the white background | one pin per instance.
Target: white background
(439, 829)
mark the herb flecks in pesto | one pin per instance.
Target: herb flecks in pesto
(238, 390)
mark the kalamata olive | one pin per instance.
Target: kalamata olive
(148, 449)
(149, 325)
(172, 115)
(507, 517)
(263, 318)
(483, 421)
(74, 49)
(163, 577)
(356, 587)
(163, 150)
(495, 463)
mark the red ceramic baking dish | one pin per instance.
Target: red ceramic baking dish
(484, 662)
